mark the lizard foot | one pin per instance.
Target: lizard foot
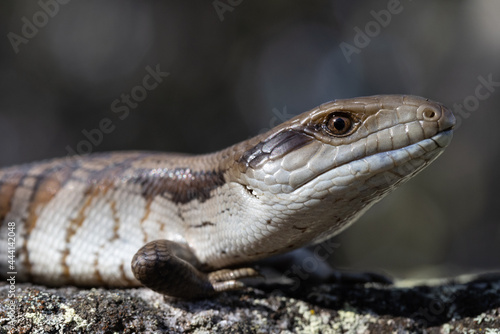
(167, 267)
(228, 279)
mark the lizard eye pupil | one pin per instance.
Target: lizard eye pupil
(339, 124)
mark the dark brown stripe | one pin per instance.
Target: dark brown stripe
(25, 221)
(72, 228)
(116, 222)
(181, 185)
(106, 177)
(203, 224)
(275, 147)
(97, 274)
(8, 186)
(47, 183)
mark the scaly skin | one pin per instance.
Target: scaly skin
(83, 220)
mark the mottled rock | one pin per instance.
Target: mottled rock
(447, 307)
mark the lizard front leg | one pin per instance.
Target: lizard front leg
(161, 265)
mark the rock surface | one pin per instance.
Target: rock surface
(447, 307)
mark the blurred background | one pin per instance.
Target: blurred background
(229, 69)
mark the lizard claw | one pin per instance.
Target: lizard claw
(157, 266)
(228, 279)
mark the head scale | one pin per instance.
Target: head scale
(325, 167)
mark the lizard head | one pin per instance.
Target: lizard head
(325, 167)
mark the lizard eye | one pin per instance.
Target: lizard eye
(339, 124)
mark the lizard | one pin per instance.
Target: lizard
(187, 226)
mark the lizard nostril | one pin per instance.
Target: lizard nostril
(429, 113)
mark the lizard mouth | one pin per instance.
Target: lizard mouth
(403, 162)
(443, 138)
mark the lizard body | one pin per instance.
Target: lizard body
(181, 220)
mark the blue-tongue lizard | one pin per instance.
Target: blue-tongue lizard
(176, 223)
